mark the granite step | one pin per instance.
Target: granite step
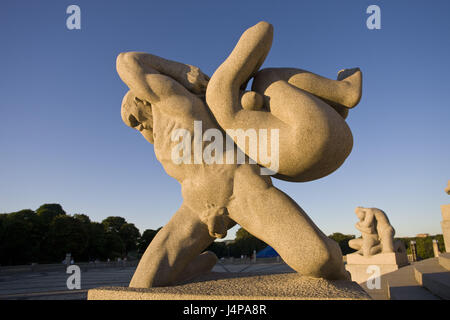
(402, 285)
(433, 276)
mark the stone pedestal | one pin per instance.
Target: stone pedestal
(231, 286)
(436, 248)
(446, 225)
(358, 265)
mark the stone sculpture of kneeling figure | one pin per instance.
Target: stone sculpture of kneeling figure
(376, 230)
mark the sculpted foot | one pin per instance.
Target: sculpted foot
(353, 78)
(199, 266)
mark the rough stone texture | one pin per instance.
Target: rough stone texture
(446, 232)
(266, 287)
(376, 247)
(444, 260)
(402, 285)
(314, 140)
(431, 275)
(376, 230)
(445, 209)
(378, 259)
(293, 109)
(358, 265)
(436, 251)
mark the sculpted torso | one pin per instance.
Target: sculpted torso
(178, 110)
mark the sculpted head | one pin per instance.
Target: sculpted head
(137, 114)
(360, 213)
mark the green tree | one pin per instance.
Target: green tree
(3, 241)
(67, 235)
(342, 240)
(82, 218)
(113, 224)
(130, 236)
(441, 243)
(20, 237)
(219, 248)
(97, 248)
(424, 246)
(49, 211)
(243, 234)
(146, 238)
(127, 232)
(46, 213)
(96, 236)
(245, 243)
(114, 246)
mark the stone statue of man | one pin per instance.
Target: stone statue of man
(308, 110)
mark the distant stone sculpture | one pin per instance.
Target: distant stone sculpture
(447, 189)
(376, 231)
(375, 248)
(170, 101)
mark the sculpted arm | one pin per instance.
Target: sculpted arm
(135, 67)
(362, 228)
(368, 219)
(224, 88)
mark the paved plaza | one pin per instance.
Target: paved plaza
(52, 284)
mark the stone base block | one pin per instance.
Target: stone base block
(358, 265)
(446, 232)
(445, 224)
(288, 286)
(445, 209)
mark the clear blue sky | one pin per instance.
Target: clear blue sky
(62, 138)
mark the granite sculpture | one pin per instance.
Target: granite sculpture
(377, 250)
(376, 231)
(172, 104)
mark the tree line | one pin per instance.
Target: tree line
(47, 234)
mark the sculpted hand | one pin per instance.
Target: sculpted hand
(197, 81)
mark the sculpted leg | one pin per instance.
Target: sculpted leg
(200, 265)
(346, 91)
(313, 139)
(173, 255)
(224, 88)
(355, 244)
(370, 244)
(375, 249)
(272, 216)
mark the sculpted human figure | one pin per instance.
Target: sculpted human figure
(376, 230)
(314, 138)
(309, 113)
